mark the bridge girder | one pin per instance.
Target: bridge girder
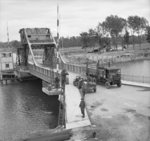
(37, 38)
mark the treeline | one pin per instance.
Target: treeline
(13, 45)
(74, 41)
(116, 30)
(113, 31)
(64, 42)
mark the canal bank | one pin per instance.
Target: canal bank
(136, 84)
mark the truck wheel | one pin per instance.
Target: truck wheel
(94, 90)
(119, 84)
(107, 84)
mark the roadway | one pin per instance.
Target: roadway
(137, 98)
(121, 113)
(118, 113)
(73, 113)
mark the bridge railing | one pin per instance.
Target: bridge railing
(73, 67)
(41, 72)
(82, 70)
(48, 74)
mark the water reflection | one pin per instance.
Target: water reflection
(25, 109)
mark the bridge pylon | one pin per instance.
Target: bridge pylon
(37, 47)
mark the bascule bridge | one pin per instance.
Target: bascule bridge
(38, 56)
(37, 53)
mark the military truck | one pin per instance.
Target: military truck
(88, 87)
(85, 84)
(105, 75)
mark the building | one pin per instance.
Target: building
(6, 66)
(6, 61)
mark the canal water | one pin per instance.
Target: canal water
(137, 68)
(25, 109)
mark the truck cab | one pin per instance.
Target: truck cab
(109, 76)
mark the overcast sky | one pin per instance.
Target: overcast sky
(76, 16)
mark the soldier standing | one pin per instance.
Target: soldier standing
(82, 107)
(57, 80)
(63, 77)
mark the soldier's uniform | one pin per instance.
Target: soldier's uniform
(57, 80)
(82, 107)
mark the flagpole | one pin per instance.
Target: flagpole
(7, 34)
(57, 44)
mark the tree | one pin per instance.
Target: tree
(93, 37)
(148, 34)
(16, 44)
(137, 25)
(102, 34)
(114, 25)
(126, 38)
(84, 39)
(143, 25)
(73, 41)
(132, 25)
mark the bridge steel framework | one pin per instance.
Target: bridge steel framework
(41, 38)
(40, 41)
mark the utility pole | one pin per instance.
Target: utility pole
(7, 35)
(57, 44)
(62, 42)
(62, 106)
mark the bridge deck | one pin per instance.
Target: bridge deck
(73, 112)
(36, 68)
(73, 98)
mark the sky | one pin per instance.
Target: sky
(76, 16)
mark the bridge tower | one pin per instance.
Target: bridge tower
(36, 42)
(37, 47)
